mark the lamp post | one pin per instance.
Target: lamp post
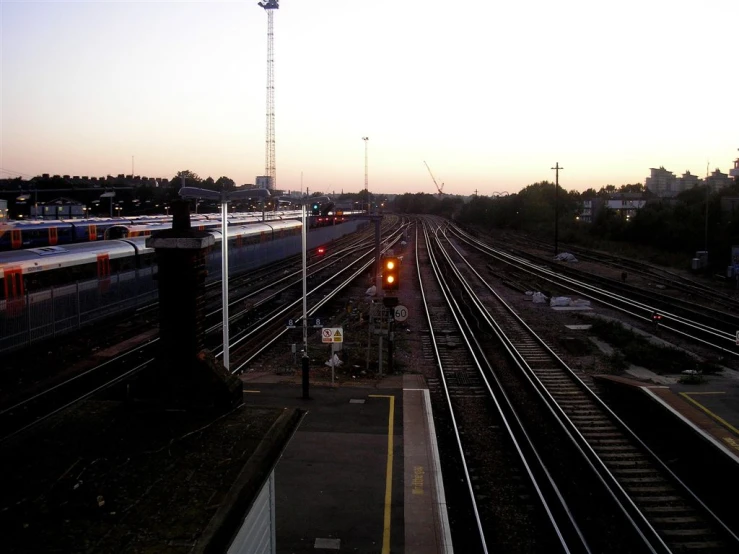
(366, 186)
(305, 361)
(224, 197)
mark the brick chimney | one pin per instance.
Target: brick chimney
(186, 375)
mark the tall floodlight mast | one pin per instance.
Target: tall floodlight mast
(269, 157)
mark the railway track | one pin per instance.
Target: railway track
(257, 328)
(710, 328)
(721, 300)
(660, 510)
(510, 503)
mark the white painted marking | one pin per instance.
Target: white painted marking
(331, 544)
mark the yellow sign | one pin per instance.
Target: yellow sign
(332, 334)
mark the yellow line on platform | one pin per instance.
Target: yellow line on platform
(709, 412)
(252, 391)
(388, 473)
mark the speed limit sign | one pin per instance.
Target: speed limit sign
(400, 313)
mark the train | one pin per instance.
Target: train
(52, 290)
(18, 235)
(29, 270)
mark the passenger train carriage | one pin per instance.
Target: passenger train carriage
(52, 290)
(29, 270)
(16, 235)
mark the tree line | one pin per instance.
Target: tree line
(664, 230)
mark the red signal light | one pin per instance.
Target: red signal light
(321, 250)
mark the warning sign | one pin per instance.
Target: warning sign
(332, 334)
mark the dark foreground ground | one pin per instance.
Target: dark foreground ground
(112, 477)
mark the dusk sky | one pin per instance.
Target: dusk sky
(490, 94)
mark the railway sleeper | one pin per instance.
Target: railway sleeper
(677, 520)
(620, 453)
(703, 546)
(574, 402)
(598, 434)
(607, 442)
(659, 489)
(616, 448)
(697, 532)
(640, 480)
(644, 502)
(629, 463)
(674, 509)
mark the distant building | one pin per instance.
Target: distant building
(735, 172)
(3, 210)
(717, 180)
(590, 209)
(664, 184)
(264, 182)
(626, 204)
(59, 208)
(686, 182)
(661, 182)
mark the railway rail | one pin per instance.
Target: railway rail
(723, 300)
(653, 507)
(257, 327)
(709, 327)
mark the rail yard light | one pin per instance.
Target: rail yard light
(304, 216)
(224, 197)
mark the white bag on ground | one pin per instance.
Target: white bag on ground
(538, 298)
(560, 301)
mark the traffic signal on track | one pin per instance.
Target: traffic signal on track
(390, 273)
(315, 208)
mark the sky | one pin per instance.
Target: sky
(491, 95)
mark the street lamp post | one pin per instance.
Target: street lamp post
(305, 361)
(224, 197)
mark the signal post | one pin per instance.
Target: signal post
(390, 282)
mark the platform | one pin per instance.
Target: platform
(362, 472)
(710, 408)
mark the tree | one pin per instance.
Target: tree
(190, 179)
(636, 187)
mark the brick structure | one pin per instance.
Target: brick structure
(186, 374)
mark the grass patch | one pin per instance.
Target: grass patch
(635, 349)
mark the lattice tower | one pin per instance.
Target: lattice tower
(269, 156)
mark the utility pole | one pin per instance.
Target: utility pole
(556, 207)
(366, 167)
(705, 247)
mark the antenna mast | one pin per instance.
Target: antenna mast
(269, 157)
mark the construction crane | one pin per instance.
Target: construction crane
(269, 162)
(438, 188)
